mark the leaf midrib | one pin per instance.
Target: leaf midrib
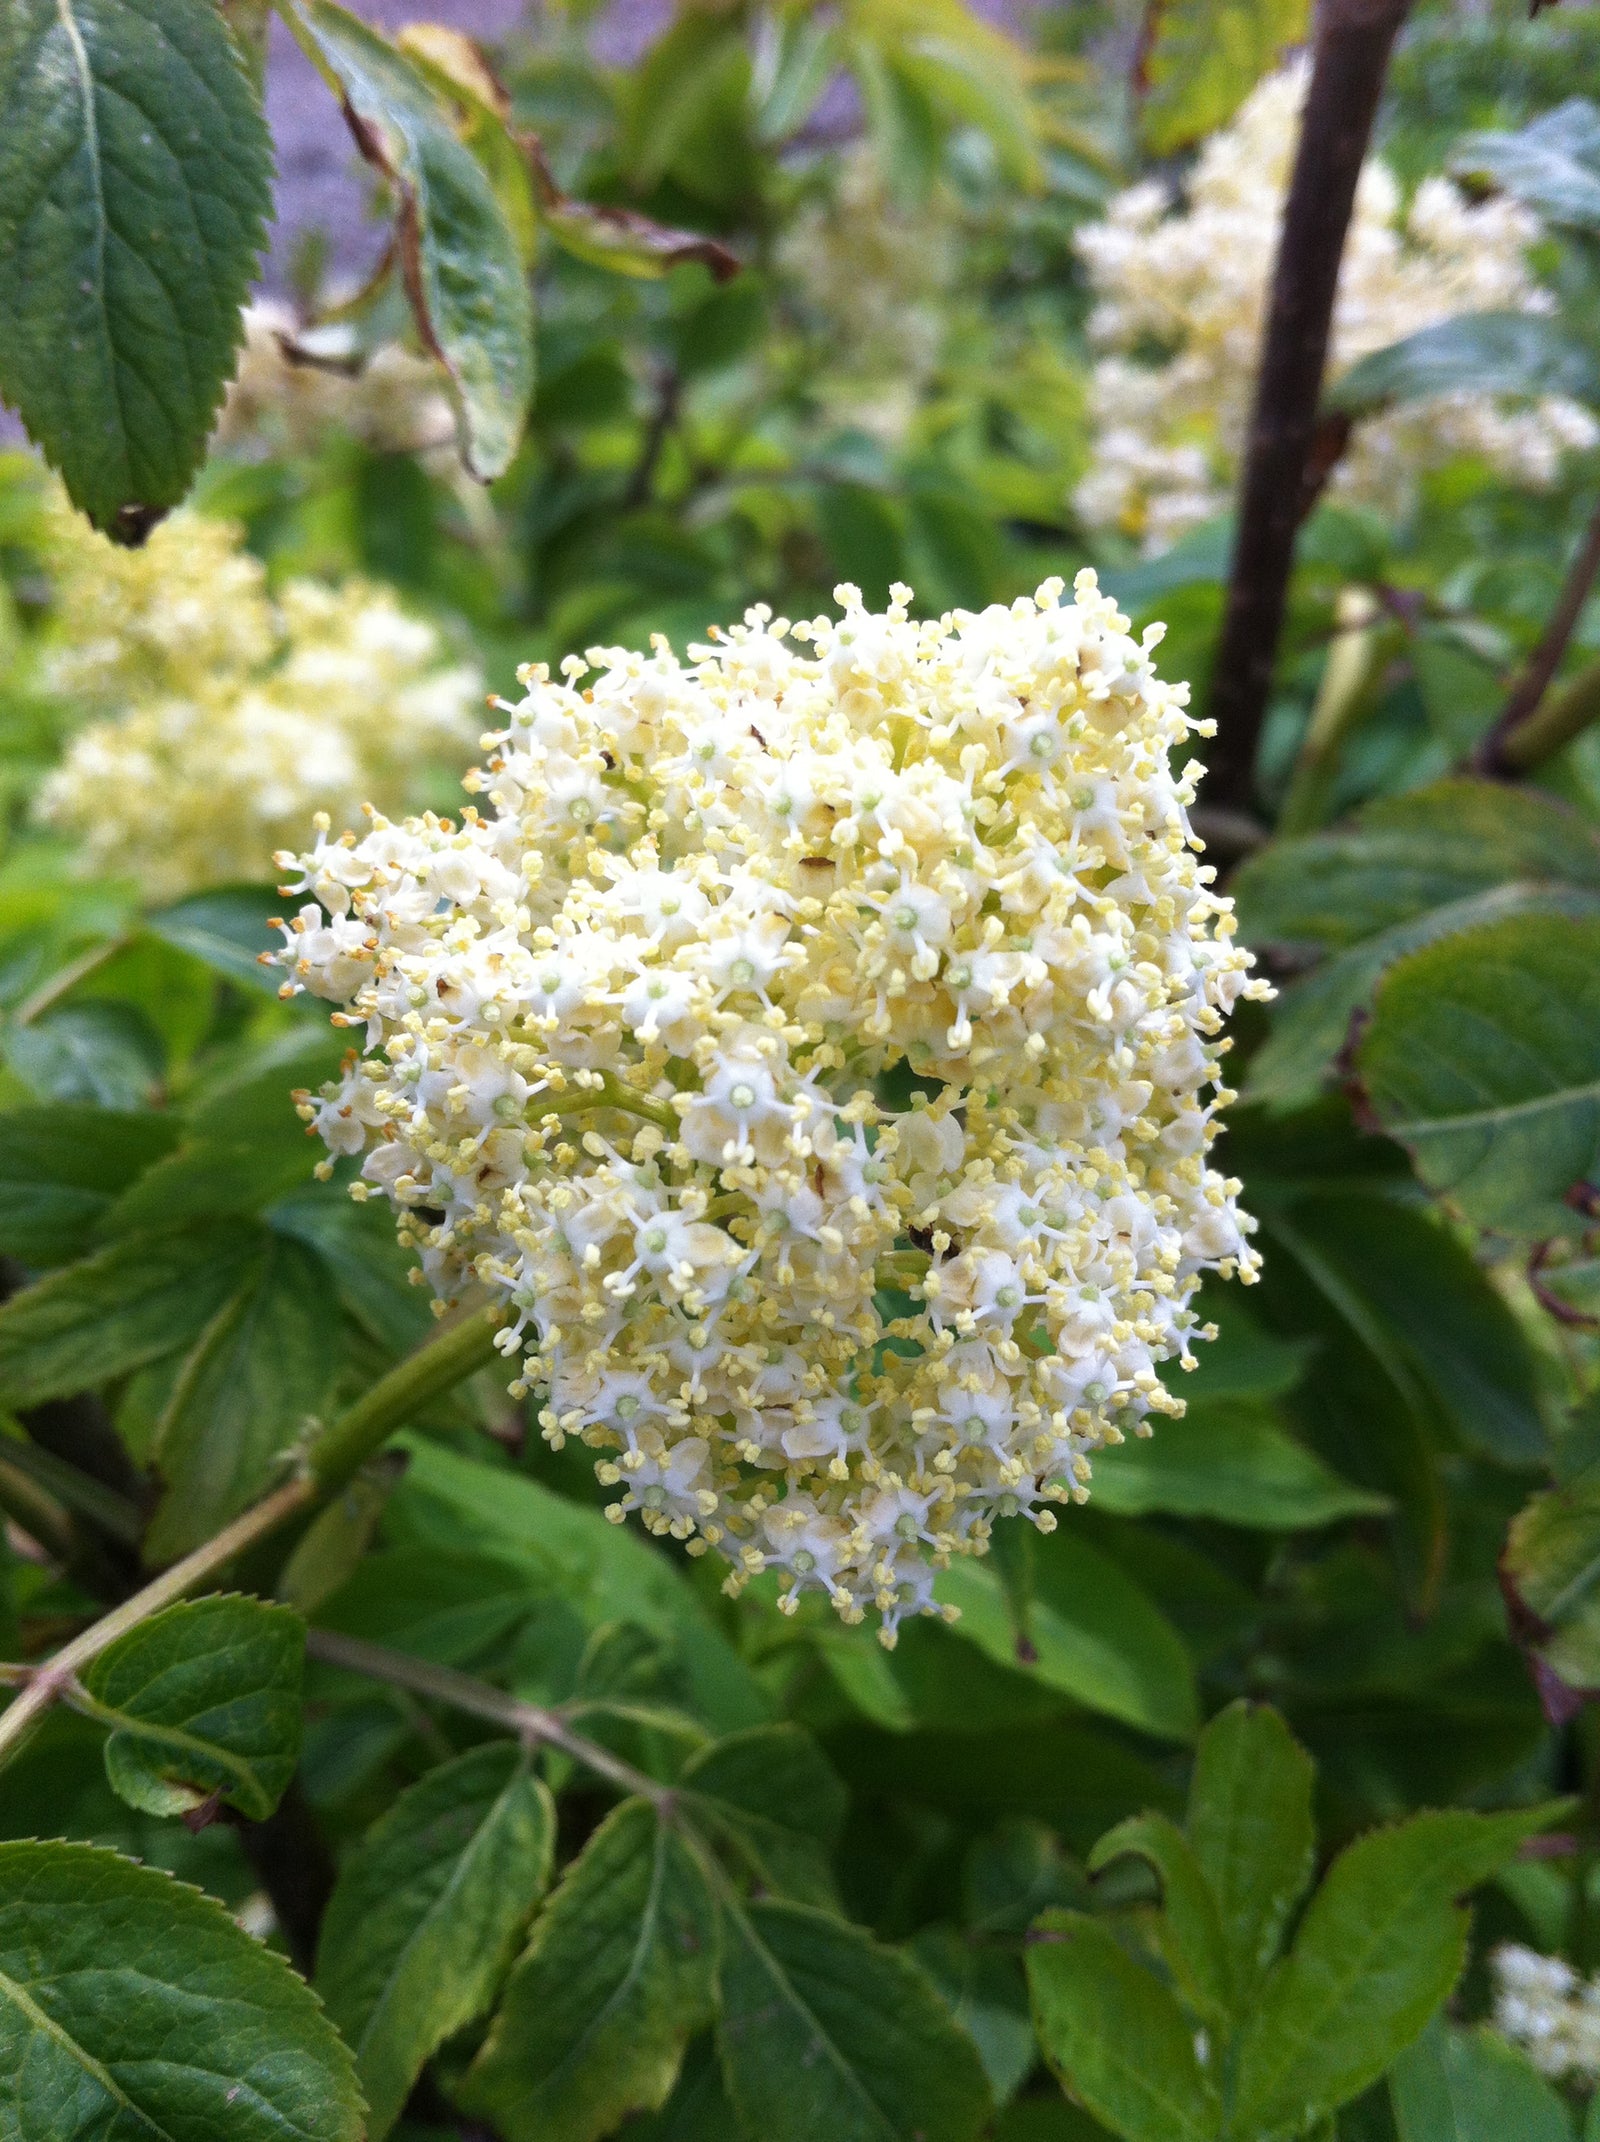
(787, 1986)
(37, 2017)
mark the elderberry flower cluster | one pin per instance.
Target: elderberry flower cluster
(1181, 294)
(814, 1049)
(1550, 2010)
(220, 715)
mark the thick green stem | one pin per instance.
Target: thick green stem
(611, 1093)
(336, 1454)
(1350, 679)
(530, 1721)
(453, 1354)
(68, 977)
(1560, 716)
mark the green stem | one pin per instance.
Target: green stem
(1350, 678)
(54, 1678)
(338, 1452)
(530, 1721)
(453, 1354)
(38, 1512)
(611, 1093)
(114, 1514)
(1560, 716)
(67, 978)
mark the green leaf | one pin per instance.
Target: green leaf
(1483, 1058)
(425, 1917)
(134, 2009)
(1202, 58)
(99, 1051)
(984, 1989)
(1196, 1946)
(144, 1296)
(1471, 2086)
(1551, 1571)
(460, 256)
(1232, 1462)
(1249, 1821)
(1517, 353)
(614, 1982)
(1311, 1020)
(213, 1175)
(1094, 1634)
(135, 184)
(1551, 165)
(1405, 855)
(227, 929)
(772, 1795)
(1381, 1945)
(257, 1374)
(825, 2032)
(202, 1699)
(60, 1169)
(1115, 2035)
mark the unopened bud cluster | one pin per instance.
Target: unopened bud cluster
(814, 1049)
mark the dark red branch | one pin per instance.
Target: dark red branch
(1351, 56)
(1493, 755)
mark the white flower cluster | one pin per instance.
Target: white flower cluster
(813, 1051)
(872, 278)
(297, 388)
(1545, 2006)
(228, 715)
(1181, 296)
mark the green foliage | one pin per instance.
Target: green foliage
(423, 1924)
(618, 1976)
(135, 176)
(1290, 2034)
(132, 2005)
(1202, 58)
(1480, 1059)
(1470, 2086)
(459, 254)
(617, 1854)
(202, 1702)
(823, 2031)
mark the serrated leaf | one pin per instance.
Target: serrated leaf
(1471, 2086)
(135, 184)
(202, 1699)
(61, 1168)
(824, 2031)
(461, 258)
(257, 1373)
(1311, 1020)
(1115, 2035)
(1233, 1462)
(614, 1982)
(1525, 354)
(772, 1794)
(1249, 1821)
(1201, 59)
(1405, 855)
(1196, 1945)
(1381, 1945)
(133, 2008)
(1483, 1059)
(1094, 1634)
(424, 1920)
(142, 1297)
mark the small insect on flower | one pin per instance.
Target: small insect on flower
(827, 1104)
